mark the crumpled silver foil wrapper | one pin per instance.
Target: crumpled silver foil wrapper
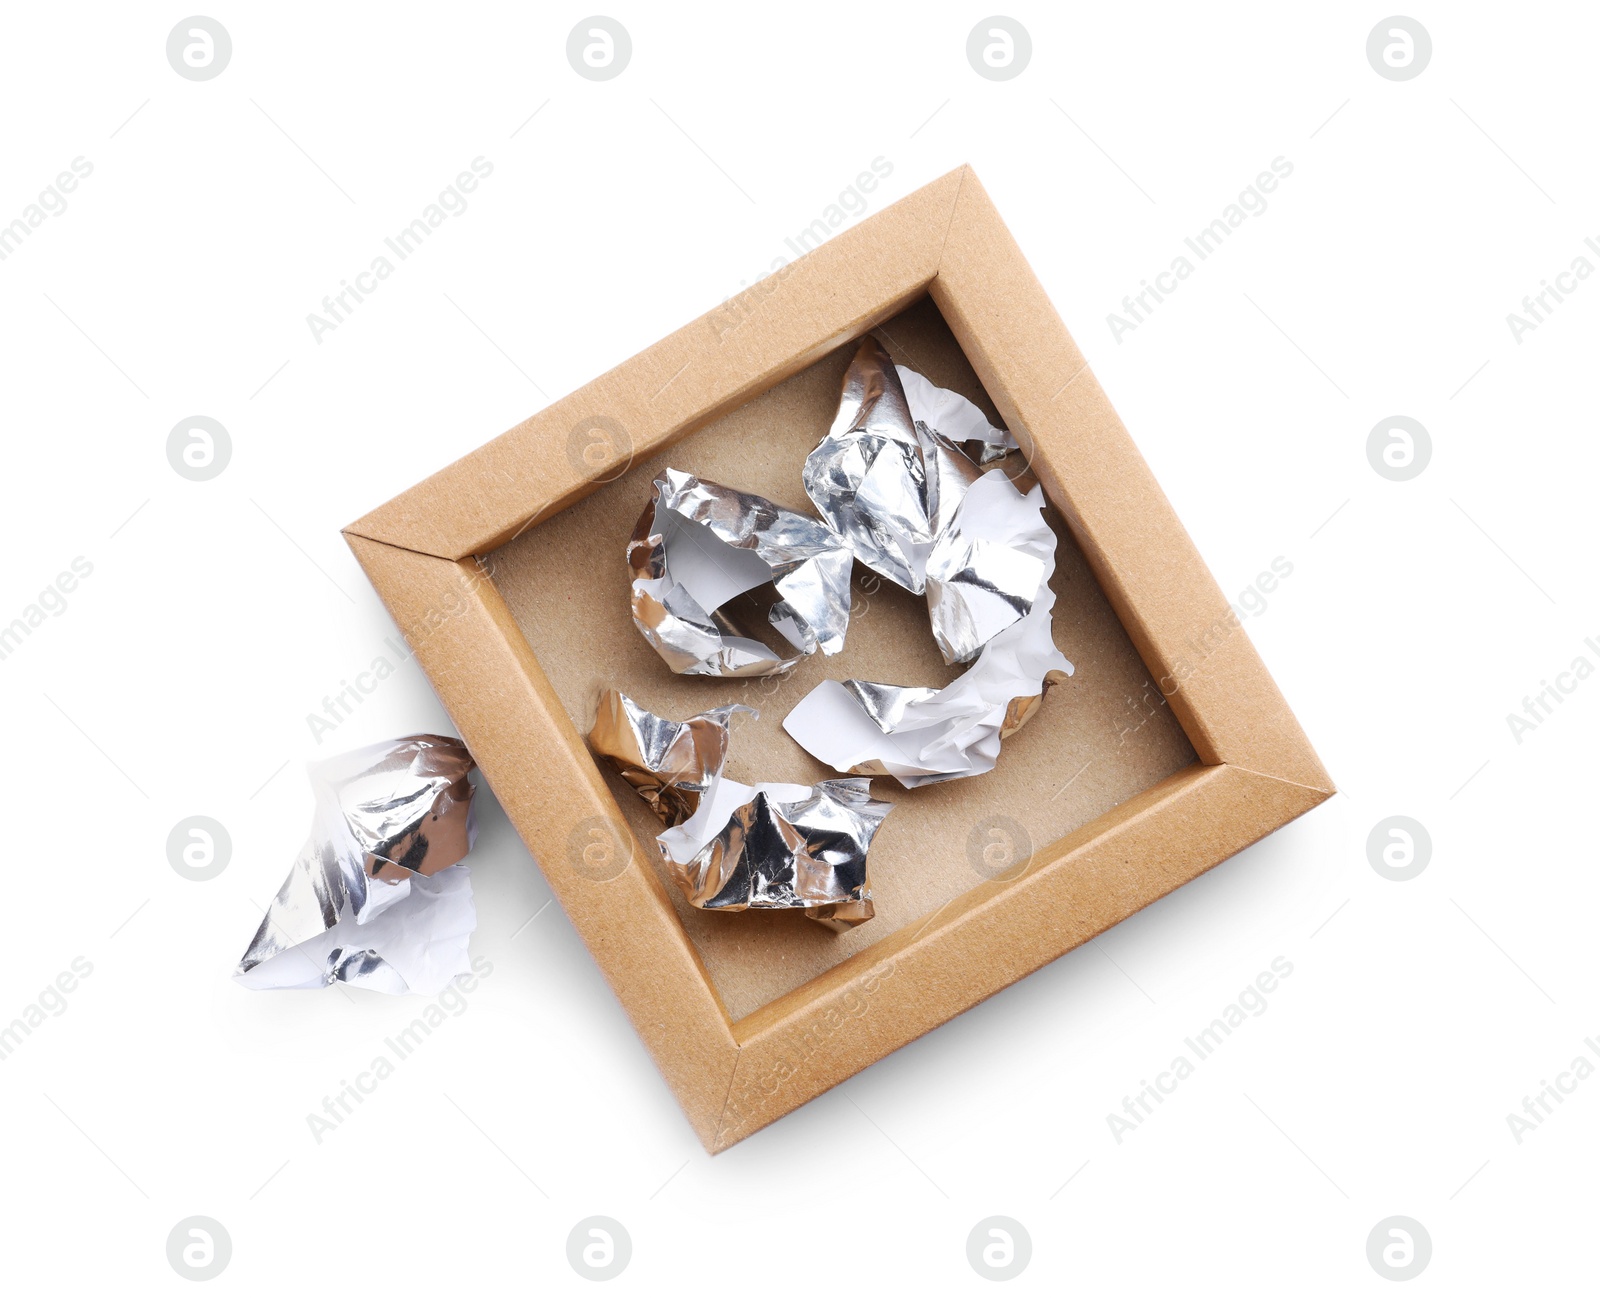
(743, 847)
(921, 735)
(670, 764)
(893, 479)
(699, 544)
(376, 898)
(892, 476)
(781, 847)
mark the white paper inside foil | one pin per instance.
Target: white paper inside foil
(682, 843)
(953, 415)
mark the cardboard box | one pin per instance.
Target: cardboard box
(1168, 751)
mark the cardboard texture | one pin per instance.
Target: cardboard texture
(505, 571)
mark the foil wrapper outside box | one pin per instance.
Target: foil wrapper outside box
(377, 896)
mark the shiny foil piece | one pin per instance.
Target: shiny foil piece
(922, 735)
(670, 764)
(892, 477)
(780, 847)
(919, 735)
(698, 545)
(375, 897)
(743, 847)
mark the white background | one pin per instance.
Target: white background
(177, 680)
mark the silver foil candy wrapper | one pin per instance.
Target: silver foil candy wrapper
(699, 544)
(893, 479)
(670, 764)
(734, 846)
(376, 897)
(921, 735)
